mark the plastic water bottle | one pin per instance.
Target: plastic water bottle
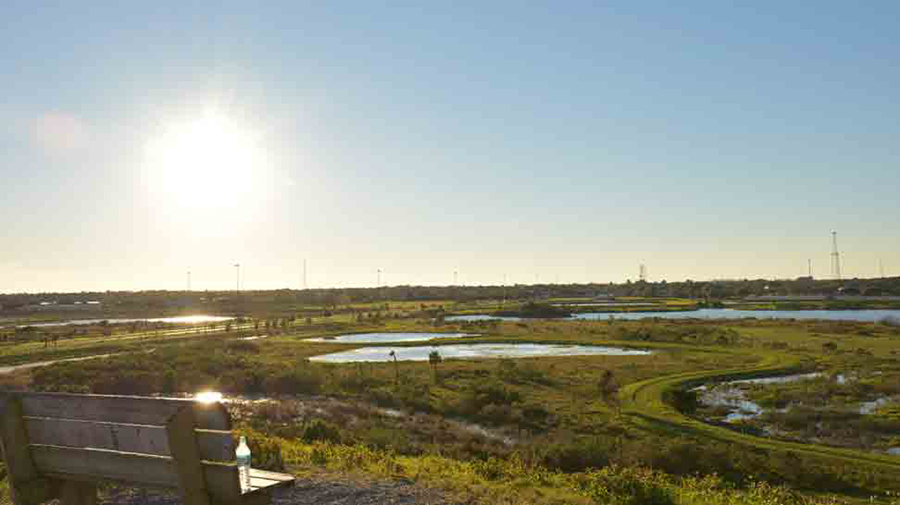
(242, 454)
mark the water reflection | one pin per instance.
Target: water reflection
(871, 315)
(374, 338)
(469, 351)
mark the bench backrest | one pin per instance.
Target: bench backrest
(168, 443)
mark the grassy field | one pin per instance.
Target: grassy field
(576, 429)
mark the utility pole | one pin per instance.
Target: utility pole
(809, 267)
(835, 257)
(237, 277)
(189, 280)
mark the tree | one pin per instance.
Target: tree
(434, 358)
(396, 366)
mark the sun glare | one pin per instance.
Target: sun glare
(207, 163)
(208, 397)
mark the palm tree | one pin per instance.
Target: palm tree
(434, 358)
(396, 366)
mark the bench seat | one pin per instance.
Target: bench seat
(62, 445)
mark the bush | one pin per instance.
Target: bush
(626, 486)
(298, 380)
(684, 401)
(243, 346)
(323, 431)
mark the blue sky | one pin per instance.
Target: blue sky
(545, 141)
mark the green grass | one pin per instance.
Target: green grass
(553, 405)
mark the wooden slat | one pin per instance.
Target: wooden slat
(136, 469)
(191, 482)
(14, 441)
(121, 409)
(212, 444)
(222, 483)
(263, 474)
(26, 485)
(101, 464)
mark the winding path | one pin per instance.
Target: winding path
(643, 402)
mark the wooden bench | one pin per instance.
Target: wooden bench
(62, 445)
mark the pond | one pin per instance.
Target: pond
(375, 338)
(829, 315)
(171, 320)
(730, 395)
(470, 351)
(871, 315)
(481, 317)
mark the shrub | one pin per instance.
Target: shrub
(243, 346)
(319, 430)
(626, 486)
(298, 380)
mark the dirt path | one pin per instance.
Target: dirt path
(316, 490)
(36, 364)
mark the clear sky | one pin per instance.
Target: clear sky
(552, 141)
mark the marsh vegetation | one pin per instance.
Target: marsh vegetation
(556, 422)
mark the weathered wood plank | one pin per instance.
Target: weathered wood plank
(222, 483)
(191, 482)
(70, 463)
(261, 479)
(121, 409)
(26, 485)
(102, 464)
(212, 444)
(78, 493)
(14, 441)
(224, 487)
(263, 474)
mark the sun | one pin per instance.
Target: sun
(203, 164)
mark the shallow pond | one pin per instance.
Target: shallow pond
(829, 315)
(728, 394)
(375, 338)
(420, 353)
(481, 317)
